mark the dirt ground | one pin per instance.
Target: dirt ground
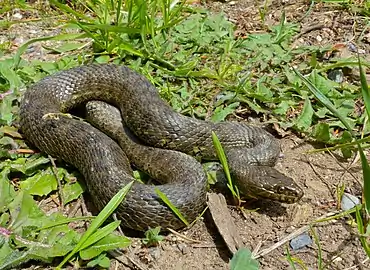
(318, 174)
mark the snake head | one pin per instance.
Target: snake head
(267, 182)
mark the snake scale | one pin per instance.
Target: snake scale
(153, 137)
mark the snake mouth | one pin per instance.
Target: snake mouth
(282, 194)
(289, 196)
(283, 198)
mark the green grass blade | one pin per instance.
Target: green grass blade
(323, 99)
(67, 10)
(171, 206)
(25, 45)
(366, 176)
(62, 222)
(98, 221)
(119, 13)
(342, 63)
(100, 234)
(109, 28)
(289, 258)
(319, 250)
(365, 165)
(339, 146)
(329, 105)
(223, 160)
(199, 216)
(243, 260)
(361, 230)
(337, 216)
(364, 162)
(364, 89)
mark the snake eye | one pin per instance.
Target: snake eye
(280, 190)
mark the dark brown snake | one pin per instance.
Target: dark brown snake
(163, 144)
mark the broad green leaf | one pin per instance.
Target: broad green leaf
(102, 260)
(6, 190)
(346, 150)
(322, 112)
(322, 98)
(221, 113)
(11, 257)
(4, 219)
(349, 122)
(283, 107)
(321, 132)
(11, 131)
(33, 163)
(98, 221)
(262, 92)
(326, 86)
(101, 233)
(10, 75)
(71, 191)
(41, 183)
(152, 237)
(242, 260)
(56, 219)
(6, 110)
(253, 105)
(24, 212)
(4, 141)
(5, 250)
(102, 59)
(56, 242)
(345, 106)
(26, 166)
(17, 165)
(304, 121)
(109, 242)
(61, 239)
(48, 67)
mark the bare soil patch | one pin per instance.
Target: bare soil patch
(319, 175)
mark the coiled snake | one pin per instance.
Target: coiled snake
(162, 146)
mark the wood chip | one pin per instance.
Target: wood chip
(224, 222)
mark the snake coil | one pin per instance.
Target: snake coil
(166, 139)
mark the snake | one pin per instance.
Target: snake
(148, 134)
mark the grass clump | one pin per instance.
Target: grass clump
(152, 237)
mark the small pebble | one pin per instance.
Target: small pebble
(18, 41)
(17, 16)
(351, 47)
(155, 252)
(349, 201)
(300, 241)
(183, 248)
(336, 75)
(361, 51)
